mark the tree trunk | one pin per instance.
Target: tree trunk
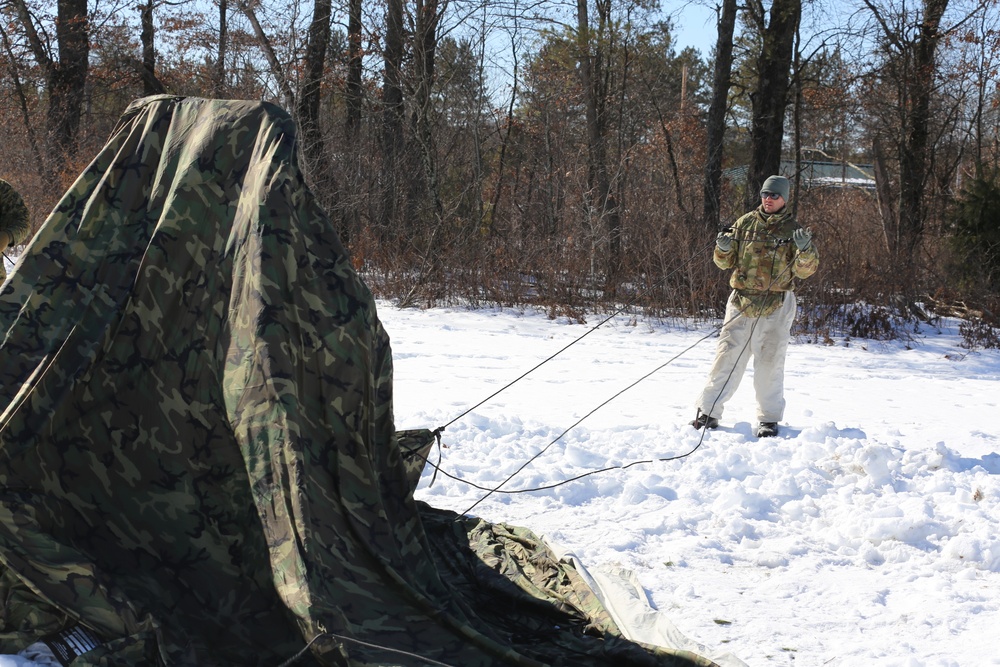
(22, 99)
(147, 68)
(770, 96)
(716, 121)
(318, 169)
(797, 128)
(352, 176)
(424, 51)
(392, 112)
(219, 85)
(69, 76)
(352, 123)
(885, 193)
(66, 79)
(277, 71)
(602, 200)
(913, 155)
(911, 67)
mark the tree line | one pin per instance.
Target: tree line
(567, 155)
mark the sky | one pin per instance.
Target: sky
(865, 533)
(695, 26)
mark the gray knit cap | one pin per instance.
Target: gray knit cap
(778, 184)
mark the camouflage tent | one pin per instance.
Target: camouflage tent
(198, 462)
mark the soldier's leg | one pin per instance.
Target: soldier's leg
(770, 345)
(731, 357)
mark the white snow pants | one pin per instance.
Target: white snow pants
(768, 341)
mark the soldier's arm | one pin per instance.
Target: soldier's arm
(806, 262)
(727, 259)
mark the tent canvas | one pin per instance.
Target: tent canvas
(198, 461)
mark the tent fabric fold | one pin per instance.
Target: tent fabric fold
(198, 460)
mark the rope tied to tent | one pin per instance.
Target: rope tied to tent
(498, 488)
(437, 439)
(628, 304)
(324, 635)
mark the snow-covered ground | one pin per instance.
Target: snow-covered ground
(867, 532)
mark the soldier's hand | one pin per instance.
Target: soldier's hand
(724, 241)
(802, 237)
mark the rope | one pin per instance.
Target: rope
(437, 433)
(577, 423)
(298, 656)
(498, 488)
(597, 326)
(619, 311)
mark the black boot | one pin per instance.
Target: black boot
(767, 429)
(704, 421)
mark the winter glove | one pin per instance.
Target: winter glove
(724, 241)
(802, 237)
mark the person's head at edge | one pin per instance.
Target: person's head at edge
(774, 194)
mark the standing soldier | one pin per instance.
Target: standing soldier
(14, 222)
(767, 250)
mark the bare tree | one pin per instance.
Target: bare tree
(22, 101)
(280, 76)
(147, 67)
(983, 59)
(222, 50)
(910, 68)
(593, 57)
(769, 98)
(65, 70)
(392, 113)
(318, 168)
(355, 63)
(715, 123)
(425, 38)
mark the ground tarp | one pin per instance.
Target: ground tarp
(198, 460)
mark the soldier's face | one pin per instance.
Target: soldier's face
(771, 202)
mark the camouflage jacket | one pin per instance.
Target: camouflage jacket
(765, 261)
(13, 214)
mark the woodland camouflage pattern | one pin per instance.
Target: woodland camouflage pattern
(14, 218)
(765, 261)
(198, 459)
